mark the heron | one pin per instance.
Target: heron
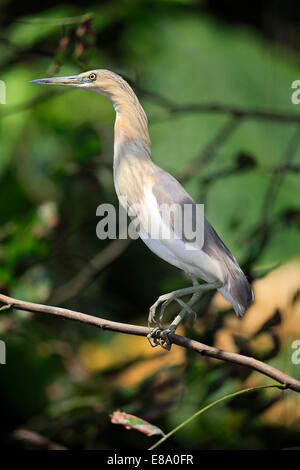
(142, 185)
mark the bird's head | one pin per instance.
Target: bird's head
(112, 86)
(102, 81)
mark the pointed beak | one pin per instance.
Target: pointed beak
(73, 80)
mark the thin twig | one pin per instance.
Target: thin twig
(254, 113)
(205, 350)
(89, 272)
(36, 439)
(219, 139)
(264, 227)
(173, 109)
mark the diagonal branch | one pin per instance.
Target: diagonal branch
(89, 272)
(205, 350)
(36, 439)
(219, 139)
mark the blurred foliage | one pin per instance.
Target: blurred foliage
(62, 380)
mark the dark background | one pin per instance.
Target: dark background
(62, 379)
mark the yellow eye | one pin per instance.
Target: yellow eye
(92, 76)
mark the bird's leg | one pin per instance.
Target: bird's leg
(174, 295)
(183, 304)
(197, 290)
(167, 299)
(164, 301)
(165, 342)
(180, 302)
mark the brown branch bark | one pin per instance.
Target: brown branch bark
(205, 350)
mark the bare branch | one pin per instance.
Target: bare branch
(37, 440)
(264, 227)
(219, 139)
(205, 350)
(254, 113)
(89, 272)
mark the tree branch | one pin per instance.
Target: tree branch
(249, 113)
(36, 439)
(205, 350)
(209, 150)
(89, 272)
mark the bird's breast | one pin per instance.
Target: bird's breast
(132, 176)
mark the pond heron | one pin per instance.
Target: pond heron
(144, 188)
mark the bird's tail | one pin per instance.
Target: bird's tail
(237, 289)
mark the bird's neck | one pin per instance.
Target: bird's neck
(131, 125)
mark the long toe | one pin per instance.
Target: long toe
(161, 300)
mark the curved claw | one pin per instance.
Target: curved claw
(163, 308)
(194, 316)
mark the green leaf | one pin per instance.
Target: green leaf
(133, 422)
